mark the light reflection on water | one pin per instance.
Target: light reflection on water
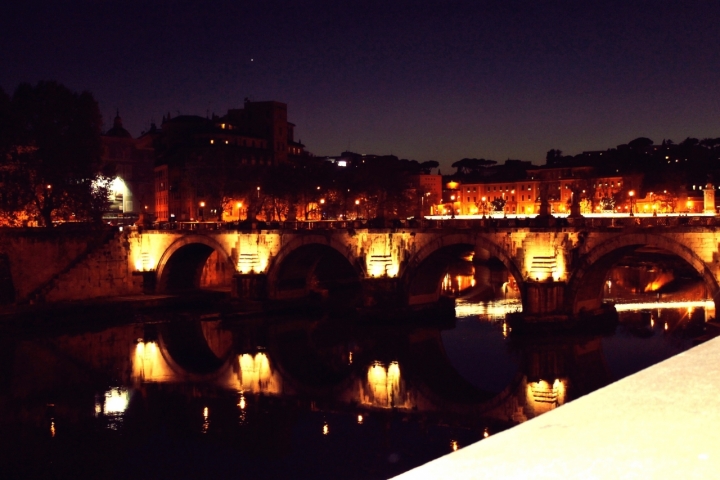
(377, 405)
(491, 310)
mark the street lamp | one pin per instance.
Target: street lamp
(201, 213)
(258, 191)
(357, 209)
(632, 207)
(452, 206)
(483, 206)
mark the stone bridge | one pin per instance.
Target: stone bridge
(558, 268)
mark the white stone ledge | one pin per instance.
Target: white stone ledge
(662, 422)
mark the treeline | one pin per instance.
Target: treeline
(50, 156)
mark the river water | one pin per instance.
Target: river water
(196, 394)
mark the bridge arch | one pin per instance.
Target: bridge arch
(423, 273)
(181, 266)
(585, 286)
(313, 258)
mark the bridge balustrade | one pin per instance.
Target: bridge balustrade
(454, 223)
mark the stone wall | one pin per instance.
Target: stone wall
(64, 263)
(105, 272)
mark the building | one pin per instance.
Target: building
(429, 188)
(202, 164)
(131, 192)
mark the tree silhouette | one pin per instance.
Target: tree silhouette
(640, 143)
(52, 161)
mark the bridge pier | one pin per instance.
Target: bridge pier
(149, 281)
(542, 298)
(381, 292)
(249, 286)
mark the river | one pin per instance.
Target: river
(207, 394)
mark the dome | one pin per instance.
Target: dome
(118, 130)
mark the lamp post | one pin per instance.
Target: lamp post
(632, 206)
(452, 206)
(483, 206)
(357, 209)
(201, 212)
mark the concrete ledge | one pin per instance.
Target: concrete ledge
(662, 422)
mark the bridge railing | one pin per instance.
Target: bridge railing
(454, 223)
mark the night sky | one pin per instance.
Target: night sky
(419, 79)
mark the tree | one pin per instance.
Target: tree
(640, 143)
(427, 166)
(499, 204)
(52, 166)
(553, 157)
(468, 166)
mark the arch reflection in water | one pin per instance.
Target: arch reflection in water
(384, 387)
(255, 374)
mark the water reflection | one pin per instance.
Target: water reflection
(256, 375)
(149, 365)
(383, 388)
(404, 392)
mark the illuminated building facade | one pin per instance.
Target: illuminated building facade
(429, 188)
(560, 184)
(132, 189)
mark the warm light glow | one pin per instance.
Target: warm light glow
(492, 311)
(326, 428)
(360, 419)
(116, 401)
(256, 376)
(543, 397)
(202, 204)
(149, 364)
(145, 263)
(625, 307)
(241, 403)
(454, 445)
(206, 420)
(52, 427)
(349, 358)
(384, 386)
(486, 433)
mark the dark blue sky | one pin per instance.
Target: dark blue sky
(420, 79)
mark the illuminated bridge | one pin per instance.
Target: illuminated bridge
(560, 265)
